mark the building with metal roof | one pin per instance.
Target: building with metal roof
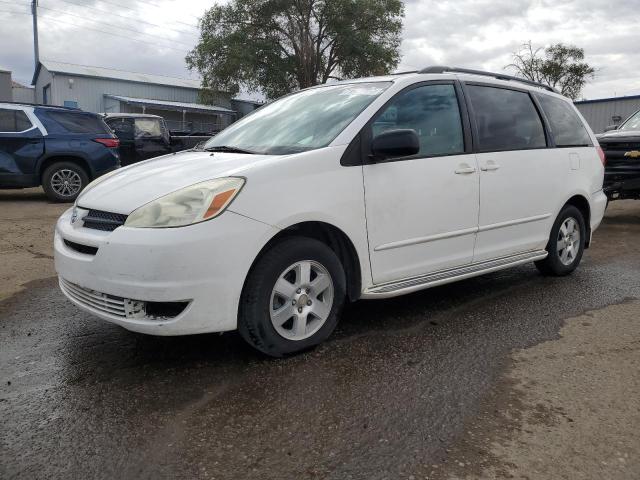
(98, 89)
(602, 112)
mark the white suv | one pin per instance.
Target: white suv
(366, 188)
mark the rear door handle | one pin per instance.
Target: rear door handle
(490, 165)
(464, 169)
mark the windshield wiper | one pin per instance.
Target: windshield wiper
(228, 149)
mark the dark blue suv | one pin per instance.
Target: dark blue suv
(62, 149)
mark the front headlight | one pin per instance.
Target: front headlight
(194, 204)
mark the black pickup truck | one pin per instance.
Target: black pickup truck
(621, 147)
(143, 136)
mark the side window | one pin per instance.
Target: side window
(433, 112)
(566, 127)
(122, 127)
(14, 121)
(22, 121)
(506, 119)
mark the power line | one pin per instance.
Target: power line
(113, 26)
(137, 20)
(155, 5)
(113, 34)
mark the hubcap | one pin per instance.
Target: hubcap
(568, 244)
(66, 182)
(301, 300)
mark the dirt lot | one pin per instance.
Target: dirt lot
(510, 375)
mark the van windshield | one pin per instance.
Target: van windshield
(303, 121)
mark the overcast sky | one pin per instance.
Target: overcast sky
(470, 33)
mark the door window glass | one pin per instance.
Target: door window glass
(566, 127)
(506, 119)
(122, 127)
(14, 121)
(433, 112)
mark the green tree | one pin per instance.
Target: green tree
(277, 46)
(559, 66)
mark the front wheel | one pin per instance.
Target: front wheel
(292, 297)
(566, 243)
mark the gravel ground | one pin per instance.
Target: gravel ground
(509, 375)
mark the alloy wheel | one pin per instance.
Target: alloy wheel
(301, 300)
(568, 241)
(66, 182)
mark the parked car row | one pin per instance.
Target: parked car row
(63, 149)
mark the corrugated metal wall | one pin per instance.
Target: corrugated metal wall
(24, 94)
(600, 114)
(88, 92)
(5, 86)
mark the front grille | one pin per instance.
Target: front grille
(96, 300)
(78, 247)
(621, 146)
(105, 221)
(122, 307)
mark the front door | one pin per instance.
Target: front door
(422, 211)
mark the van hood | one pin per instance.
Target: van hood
(131, 187)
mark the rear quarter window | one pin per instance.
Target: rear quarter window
(566, 127)
(75, 122)
(14, 121)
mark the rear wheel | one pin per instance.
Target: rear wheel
(63, 181)
(566, 243)
(292, 297)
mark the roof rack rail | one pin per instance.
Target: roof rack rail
(29, 104)
(499, 76)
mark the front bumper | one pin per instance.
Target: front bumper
(201, 266)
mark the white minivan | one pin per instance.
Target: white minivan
(366, 188)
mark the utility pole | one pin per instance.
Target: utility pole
(34, 13)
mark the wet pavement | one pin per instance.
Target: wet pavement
(388, 396)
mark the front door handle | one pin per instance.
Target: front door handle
(464, 169)
(490, 165)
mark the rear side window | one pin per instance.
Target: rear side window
(73, 122)
(566, 127)
(506, 119)
(14, 121)
(432, 112)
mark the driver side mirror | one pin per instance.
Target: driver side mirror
(395, 144)
(608, 128)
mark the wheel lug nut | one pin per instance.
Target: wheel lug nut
(299, 290)
(293, 302)
(309, 303)
(299, 309)
(308, 290)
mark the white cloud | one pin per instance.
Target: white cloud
(471, 33)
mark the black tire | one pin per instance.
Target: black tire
(254, 320)
(553, 264)
(54, 193)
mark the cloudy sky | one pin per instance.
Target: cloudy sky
(153, 36)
